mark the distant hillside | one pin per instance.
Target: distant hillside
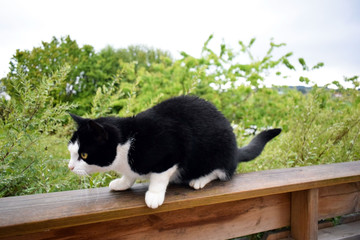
(302, 89)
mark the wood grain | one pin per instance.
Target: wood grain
(36, 213)
(350, 231)
(218, 221)
(339, 200)
(304, 214)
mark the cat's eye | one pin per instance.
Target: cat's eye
(84, 155)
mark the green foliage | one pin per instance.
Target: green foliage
(321, 126)
(213, 76)
(88, 70)
(25, 121)
(50, 57)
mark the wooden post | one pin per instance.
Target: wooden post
(304, 214)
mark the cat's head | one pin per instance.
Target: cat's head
(92, 147)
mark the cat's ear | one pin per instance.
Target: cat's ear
(99, 130)
(77, 119)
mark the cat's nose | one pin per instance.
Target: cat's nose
(71, 167)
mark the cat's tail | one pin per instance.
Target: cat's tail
(255, 147)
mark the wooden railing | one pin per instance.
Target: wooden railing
(249, 203)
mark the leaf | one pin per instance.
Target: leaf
(277, 45)
(184, 54)
(288, 54)
(288, 64)
(303, 64)
(252, 42)
(317, 66)
(243, 47)
(304, 80)
(223, 49)
(205, 47)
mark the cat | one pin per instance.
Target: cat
(182, 140)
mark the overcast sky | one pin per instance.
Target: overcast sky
(319, 31)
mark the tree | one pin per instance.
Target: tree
(88, 69)
(50, 57)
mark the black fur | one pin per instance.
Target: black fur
(187, 131)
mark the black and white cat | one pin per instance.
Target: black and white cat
(183, 140)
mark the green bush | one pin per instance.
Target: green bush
(28, 123)
(88, 70)
(321, 126)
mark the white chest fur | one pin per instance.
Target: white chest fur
(121, 162)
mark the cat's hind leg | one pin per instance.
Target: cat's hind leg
(155, 195)
(121, 184)
(202, 181)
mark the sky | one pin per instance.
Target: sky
(317, 30)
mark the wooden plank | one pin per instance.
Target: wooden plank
(339, 200)
(218, 221)
(334, 201)
(353, 217)
(349, 231)
(304, 214)
(35, 213)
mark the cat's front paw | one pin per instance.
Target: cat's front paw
(198, 183)
(120, 184)
(154, 199)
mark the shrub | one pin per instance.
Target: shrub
(323, 127)
(319, 126)
(27, 119)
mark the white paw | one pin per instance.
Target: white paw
(198, 183)
(119, 184)
(154, 199)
